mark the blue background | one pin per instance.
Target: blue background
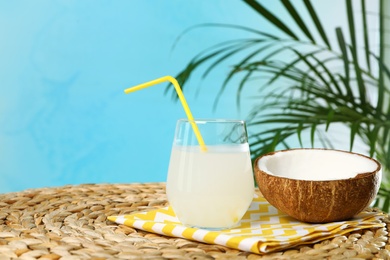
(64, 118)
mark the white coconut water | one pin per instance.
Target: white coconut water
(210, 189)
(316, 164)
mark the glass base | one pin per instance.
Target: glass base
(213, 228)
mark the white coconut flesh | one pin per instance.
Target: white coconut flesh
(316, 165)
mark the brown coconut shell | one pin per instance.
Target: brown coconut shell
(319, 201)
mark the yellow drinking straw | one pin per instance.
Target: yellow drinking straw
(182, 100)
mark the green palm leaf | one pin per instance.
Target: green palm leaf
(298, 20)
(317, 22)
(270, 17)
(365, 35)
(381, 87)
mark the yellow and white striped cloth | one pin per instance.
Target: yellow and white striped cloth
(263, 228)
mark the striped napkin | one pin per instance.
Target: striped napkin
(263, 229)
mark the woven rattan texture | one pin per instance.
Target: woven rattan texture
(70, 223)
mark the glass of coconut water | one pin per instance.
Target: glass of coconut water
(210, 186)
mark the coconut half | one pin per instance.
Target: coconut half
(318, 185)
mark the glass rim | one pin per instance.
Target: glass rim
(211, 120)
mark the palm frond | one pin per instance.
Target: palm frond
(306, 85)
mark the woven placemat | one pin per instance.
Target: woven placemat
(70, 222)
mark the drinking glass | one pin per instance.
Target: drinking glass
(213, 188)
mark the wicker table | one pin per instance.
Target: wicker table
(70, 223)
